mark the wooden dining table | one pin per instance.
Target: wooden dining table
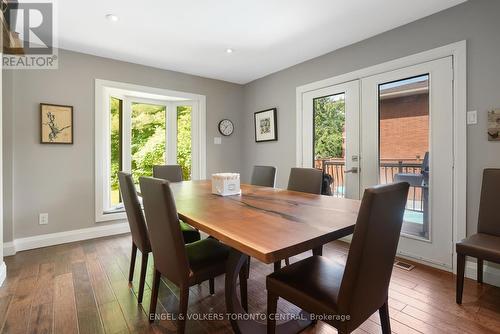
(267, 224)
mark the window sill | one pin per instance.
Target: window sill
(111, 215)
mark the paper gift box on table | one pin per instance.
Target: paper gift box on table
(226, 184)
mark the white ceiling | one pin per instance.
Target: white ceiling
(192, 36)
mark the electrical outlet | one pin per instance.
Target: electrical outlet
(43, 219)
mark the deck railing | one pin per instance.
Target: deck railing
(388, 168)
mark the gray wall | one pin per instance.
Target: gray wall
(59, 179)
(7, 162)
(475, 21)
(2, 159)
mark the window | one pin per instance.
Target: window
(137, 129)
(116, 110)
(404, 146)
(148, 139)
(329, 139)
(183, 143)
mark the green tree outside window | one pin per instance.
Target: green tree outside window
(329, 124)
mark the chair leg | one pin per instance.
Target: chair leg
(154, 295)
(211, 283)
(287, 261)
(144, 267)
(460, 276)
(132, 263)
(183, 308)
(272, 305)
(385, 321)
(480, 271)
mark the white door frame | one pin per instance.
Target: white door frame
(458, 51)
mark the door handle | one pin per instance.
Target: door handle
(353, 170)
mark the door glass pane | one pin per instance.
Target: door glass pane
(184, 140)
(329, 139)
(116, 149)
(148, 138)
(404, 146)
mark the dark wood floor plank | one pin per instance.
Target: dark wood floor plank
(41, 320)
(19, 311)
(100, 284)
(44, 293)
(4, 306)
(89, 320)
(65, 316)
(112, 318)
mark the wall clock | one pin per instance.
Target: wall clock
(226, 127)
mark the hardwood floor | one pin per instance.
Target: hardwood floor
(82, 288)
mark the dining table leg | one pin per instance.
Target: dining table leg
(243, 322)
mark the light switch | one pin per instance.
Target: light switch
(472, 117)
(217, 140)
(43, 219)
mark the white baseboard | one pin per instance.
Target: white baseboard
(3, 272)
(51, 239)
(8, 248)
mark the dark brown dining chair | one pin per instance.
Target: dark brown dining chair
(172, 173)
(485, 244)
(183, 265)
(264, 176)
(305, 180)
(139, 231)
(347, 295)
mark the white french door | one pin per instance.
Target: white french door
(330, 137)
(407, 135)
(394, 126)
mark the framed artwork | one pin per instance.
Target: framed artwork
(494, 125)
(56, 124)
(266, 125)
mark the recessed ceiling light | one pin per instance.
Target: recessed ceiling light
(112, 17)
(229, 50)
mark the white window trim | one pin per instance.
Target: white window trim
(102, 145)
(458, 51)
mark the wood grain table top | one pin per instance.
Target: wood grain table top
(268, 224)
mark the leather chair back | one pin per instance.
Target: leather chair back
(172, 173)
(368, 269)
(164, 229)
(134, 212)
(488, 221)
(306, 180)
(264, 176)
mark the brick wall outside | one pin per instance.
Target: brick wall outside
(404, 127)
